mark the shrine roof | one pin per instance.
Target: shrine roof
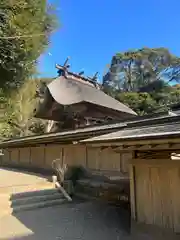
(69, 91)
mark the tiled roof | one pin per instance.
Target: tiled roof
(134, 128)
(140, 132)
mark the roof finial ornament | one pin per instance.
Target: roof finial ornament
(63, 70)
(94, 80)
(81, 73)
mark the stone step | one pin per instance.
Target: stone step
(104, 191)
(31, 206)
(29, 199)
(101, 184)
(21, 191)
(37, 205)
(40, 192)
(36, 198)
(26, 188)
(27, 192)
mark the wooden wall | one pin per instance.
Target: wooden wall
(155, 195)
(43, 155)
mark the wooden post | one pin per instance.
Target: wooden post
(132, 176)
(132, 191)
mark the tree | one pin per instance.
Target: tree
(18, 119)
(25, 28)
(147, 103)
(141, 103)
(141, 79)
(132, 70)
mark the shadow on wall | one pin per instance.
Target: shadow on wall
(83, 220)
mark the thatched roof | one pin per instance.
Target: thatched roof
(69, 91)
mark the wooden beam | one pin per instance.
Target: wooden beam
(147, 147)
(136, 142)
(161, 146)
(154, 154)
(142, 147)
(155, 162)
(126, 147)
(109, 144)
(171, 146)
(119, 148)
(175, 146)
(103, 148)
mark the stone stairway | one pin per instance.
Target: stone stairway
(24, 198)
(98, 189)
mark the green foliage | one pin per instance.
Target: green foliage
(148, 103)
(167, 97)
(142, 103)
(32, 19)
(132, 70)
(25, 27)
(140, 79)
(18, 119)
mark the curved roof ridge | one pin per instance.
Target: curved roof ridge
(80, 80)
(67, 91)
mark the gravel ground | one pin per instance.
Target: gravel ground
(11, 177)
(77, 221)
(81, 221)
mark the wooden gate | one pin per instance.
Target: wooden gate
(156, 192)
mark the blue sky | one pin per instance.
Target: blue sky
(93, 31)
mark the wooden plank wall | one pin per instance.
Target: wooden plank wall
(24, 156)
(157, 195)
(92, 158)
(52, 152)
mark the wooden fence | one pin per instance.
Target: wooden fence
(155, 198)
(41, 157)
